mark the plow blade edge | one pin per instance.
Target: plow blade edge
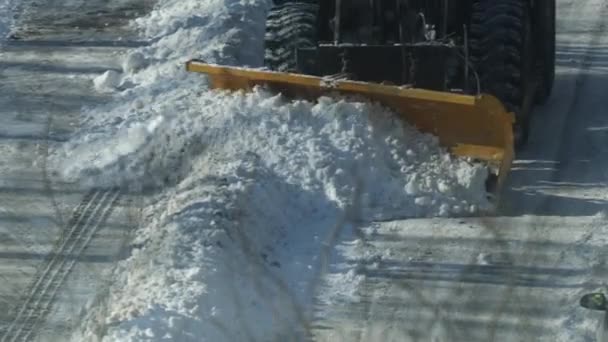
(478, 127)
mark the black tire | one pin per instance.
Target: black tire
(501, 52)
(289, 25)
(545, 41)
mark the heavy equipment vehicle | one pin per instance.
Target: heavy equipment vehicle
(468, 71)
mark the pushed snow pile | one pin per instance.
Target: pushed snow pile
(329, 147)
(248, 189)
(247, 181)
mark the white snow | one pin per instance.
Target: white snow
(251, 191)
(107, 81)
(134, 62)
(256, 168)
(483, 279)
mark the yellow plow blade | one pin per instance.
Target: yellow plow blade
(478, 127)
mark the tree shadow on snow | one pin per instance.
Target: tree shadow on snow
(563, 170)
(465, 300)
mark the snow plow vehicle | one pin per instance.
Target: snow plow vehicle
(467, 71)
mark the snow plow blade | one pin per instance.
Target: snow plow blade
(478, 127)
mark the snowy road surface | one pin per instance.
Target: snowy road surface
(55, 239)
(160, 210)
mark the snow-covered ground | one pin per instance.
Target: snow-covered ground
(497, 279)
(45, 80)
(268, 219)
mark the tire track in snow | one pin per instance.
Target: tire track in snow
(90, 214)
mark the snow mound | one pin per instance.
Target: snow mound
(329, 146)
(245, 183)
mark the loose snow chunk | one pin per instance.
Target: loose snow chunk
(134, 62)
(109, 80)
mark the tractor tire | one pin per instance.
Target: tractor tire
(289, 26)
(545, 42)
(501, 50)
